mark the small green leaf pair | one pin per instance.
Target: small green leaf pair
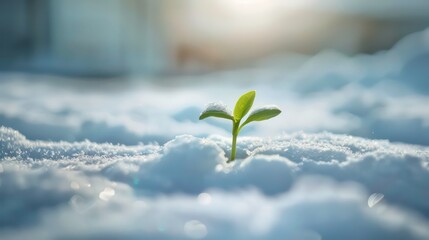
(241, 108)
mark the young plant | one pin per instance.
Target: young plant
(241, 108)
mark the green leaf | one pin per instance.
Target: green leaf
(261, 114)
(243, 105)
(216, 110)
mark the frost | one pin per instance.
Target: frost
(217, 107)
(266, 107)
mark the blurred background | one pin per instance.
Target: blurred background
(356, 67)
(99, 38)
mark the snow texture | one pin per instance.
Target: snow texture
(299, 186)
(267, 107)
(348, 158)
(217, 107)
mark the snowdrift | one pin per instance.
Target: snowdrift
(128, 159)
(298, 186)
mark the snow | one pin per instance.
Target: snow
(347, 159)
(267, 107)
(380, 96)
(316, 184)
(217, 107)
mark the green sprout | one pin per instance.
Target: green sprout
(241, 108)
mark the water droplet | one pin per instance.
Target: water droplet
(106, 194)
(204, 198)
(195, 229)
(374, 199)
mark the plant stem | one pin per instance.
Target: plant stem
(234, 140)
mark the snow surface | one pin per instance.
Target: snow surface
(123, 159)
(299, 186)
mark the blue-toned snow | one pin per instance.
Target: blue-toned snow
(347, 158)
(299, 186)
